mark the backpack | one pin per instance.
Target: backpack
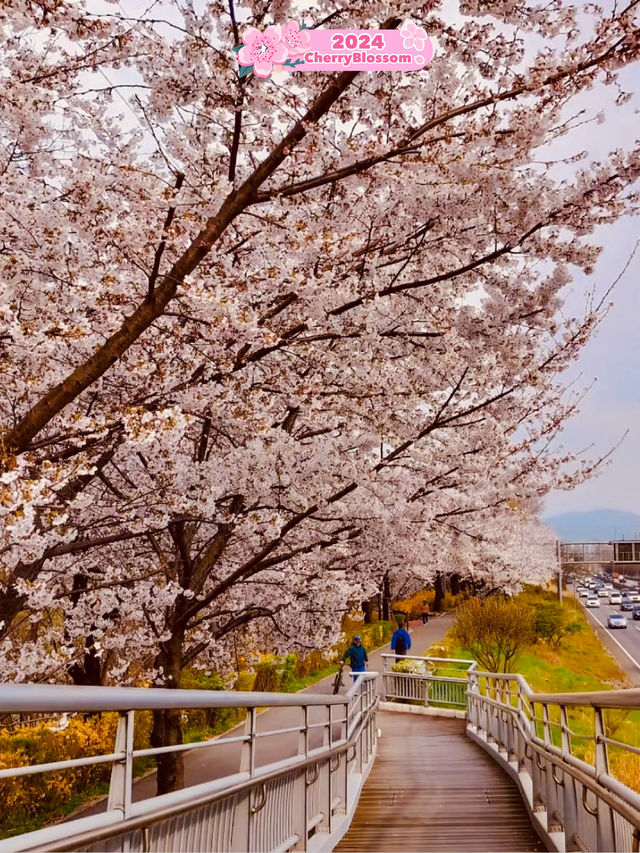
(401, 645)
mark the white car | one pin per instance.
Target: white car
(634, 596)
(603, 593)
(615, 598)
(582, 592)
(592, 601)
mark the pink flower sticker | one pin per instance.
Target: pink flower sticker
(413, 36)
(295, 39)
(262, 50)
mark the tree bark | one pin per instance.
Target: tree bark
(439, 586)
(386, 597)
(167, 723)
(366, 609)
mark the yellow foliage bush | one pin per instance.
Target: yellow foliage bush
(25, 797)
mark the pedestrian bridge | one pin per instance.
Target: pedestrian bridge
(439, 758)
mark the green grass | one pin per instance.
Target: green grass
(578, 664)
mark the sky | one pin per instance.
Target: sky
(611, 359)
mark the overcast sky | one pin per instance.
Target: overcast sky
(612, 357)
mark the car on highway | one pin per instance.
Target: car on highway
(627, 604)
(615, 598)
(616, 620)
(583, 593)
(593, 601)
(603, 593)
(634, 596)
(636, 612)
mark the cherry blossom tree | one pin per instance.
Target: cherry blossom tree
(264, 340)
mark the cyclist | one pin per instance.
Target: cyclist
(357, 655)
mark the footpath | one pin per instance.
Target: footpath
(213, 762)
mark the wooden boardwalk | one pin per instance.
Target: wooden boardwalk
(433, 789)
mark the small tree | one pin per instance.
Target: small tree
(495, 630)
(552, 623)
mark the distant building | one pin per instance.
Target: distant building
(620, 556)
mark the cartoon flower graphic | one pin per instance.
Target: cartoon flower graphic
(262, 50)
(295, 39)
(413, 36)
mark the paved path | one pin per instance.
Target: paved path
(223, 759)
(432, 788)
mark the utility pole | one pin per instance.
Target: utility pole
(559, 555)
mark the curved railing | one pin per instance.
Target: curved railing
(542, 740)
(304, 801)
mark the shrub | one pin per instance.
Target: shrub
(205, 722)
(30, 800)
(495, 630)
(552, 623)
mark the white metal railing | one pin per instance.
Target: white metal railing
(303, 802)
(432, 681)
(542, 740)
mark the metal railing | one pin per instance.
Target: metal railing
(431, 681)
(303, 802)
(544, 741)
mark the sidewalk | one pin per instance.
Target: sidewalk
(214, 762)
(422, 636)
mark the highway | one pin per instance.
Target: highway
(622, 643)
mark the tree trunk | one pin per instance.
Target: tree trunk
(167, 724)
(439, 586)
(366, 609)
(386, 597)
(90, 672)
(455, 583)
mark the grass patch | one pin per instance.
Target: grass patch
(578, 664)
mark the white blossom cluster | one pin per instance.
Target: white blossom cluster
(264, 343)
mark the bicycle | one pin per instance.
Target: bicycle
(337, 681)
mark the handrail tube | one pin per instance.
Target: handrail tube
(60, 831)
(629, 697)
(70, 763)
(210, 743)
(427, 658)
(60, 698)
(603, 786)
(427, 677)
(169, 805)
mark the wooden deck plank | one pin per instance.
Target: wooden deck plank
(433, 789)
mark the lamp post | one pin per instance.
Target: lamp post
(559, 556)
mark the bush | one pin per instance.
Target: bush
(205, 722)
(552, 623)
(29, 801)
(495, 630)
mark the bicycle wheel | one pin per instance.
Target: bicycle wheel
(337, 681)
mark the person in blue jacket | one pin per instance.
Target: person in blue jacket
(357, 655)
(400, 641)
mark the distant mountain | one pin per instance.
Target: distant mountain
(598, 525)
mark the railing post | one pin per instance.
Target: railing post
(247, 757)
(605, 821)
(122, 772)
(240, 836)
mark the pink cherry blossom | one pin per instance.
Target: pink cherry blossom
(262, 50)
(413, 36)
(295, 39)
